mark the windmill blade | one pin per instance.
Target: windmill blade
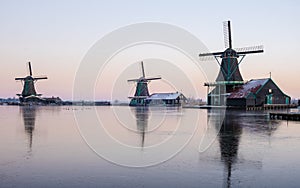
(30, 70)
(138, 97)
(19, 78)
(210, 54)
(250, 50)
(206, 58)
(133, 80)
(143, 70)
(153, 78)
(227, 34)
(40, 78)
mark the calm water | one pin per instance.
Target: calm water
(52, 147)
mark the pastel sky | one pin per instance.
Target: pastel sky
(56, 35)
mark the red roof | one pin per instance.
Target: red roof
(250, 87)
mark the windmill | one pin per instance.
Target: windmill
(29, 92)
(229, 75)
(141, 92)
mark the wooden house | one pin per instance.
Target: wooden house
(257, 92)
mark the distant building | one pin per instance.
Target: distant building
(52, 100)
(165, 99)
(257, 92)
(9, 101)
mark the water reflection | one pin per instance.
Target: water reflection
(229, 138)
(141, 115)
(231, 130)
(29, 117)
(235, 159)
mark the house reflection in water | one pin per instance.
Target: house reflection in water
(29, 115)
(141, 115)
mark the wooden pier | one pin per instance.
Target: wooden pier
(272, 107)
(285, 116)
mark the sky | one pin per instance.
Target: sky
(56, 35)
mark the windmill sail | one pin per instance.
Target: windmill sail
(40, 78)
(143, 70)
(227, 34)
(249, 50)
(30, 70)
(153, 78)
(20, 78)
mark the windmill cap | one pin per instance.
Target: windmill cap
(229, 52)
